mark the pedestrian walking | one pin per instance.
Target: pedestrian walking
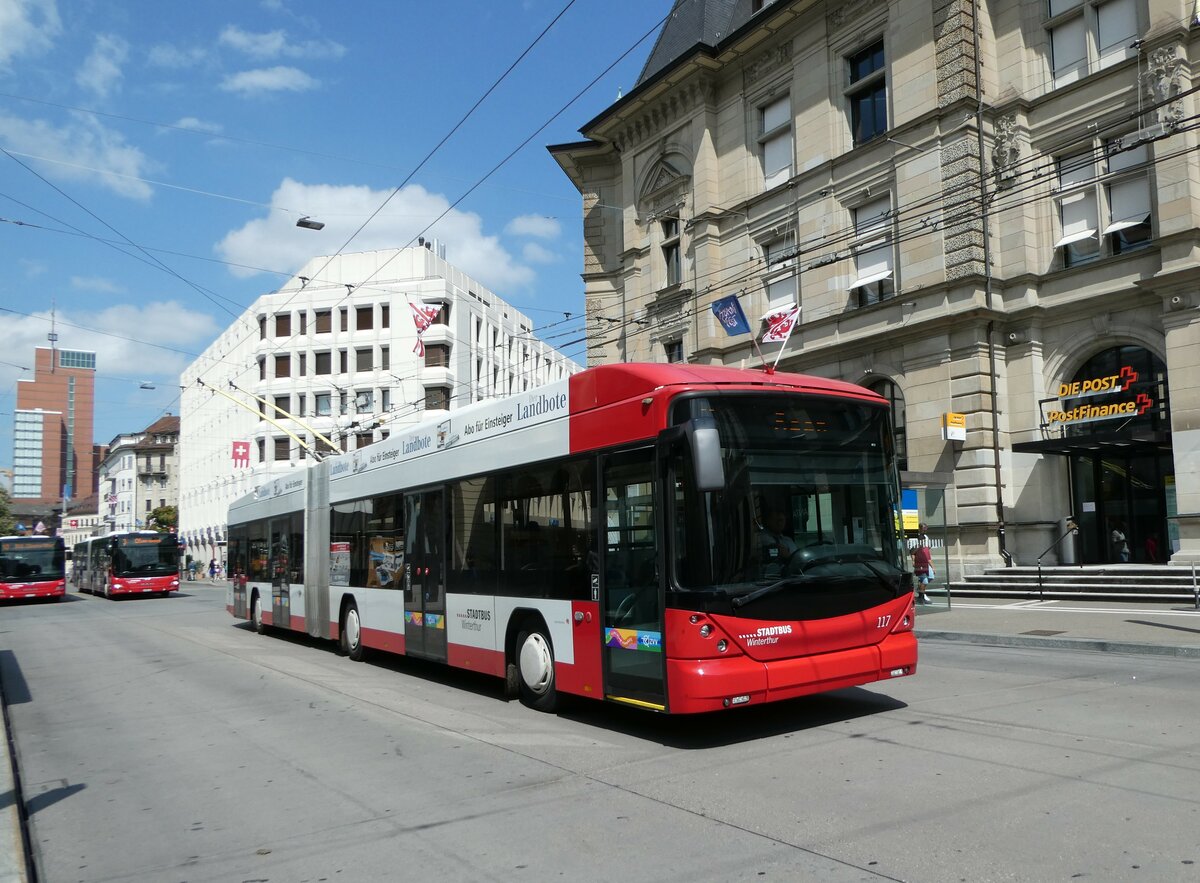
(922, 556)
(212, 568)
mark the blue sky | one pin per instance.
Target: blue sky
(200, 132)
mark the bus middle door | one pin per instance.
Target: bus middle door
(425, 575)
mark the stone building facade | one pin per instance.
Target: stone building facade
(987, 209)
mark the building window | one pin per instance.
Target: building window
(780, 280)
(343, 403)
(303, 326)
(1128, 199)
(282, 449)
(437, 398)
(873, 253)
(385, 316)
(321, 404)
(670, 250)
(343, 361)
(344, 320)
(301, 404)
(1089, 36)
(867, 94)
(262, 327)
(385, 358)
(362, 359)
(362, 439)
(322, 323)
(364, 401)
(673, 349)
(282, 403)
(283, 325)
(303, 364)
(322, 363)
(262, 450)
(1078, 212)
(262, 369)
(364, 318)
(283, 365)
(775, 141)
(437, 355)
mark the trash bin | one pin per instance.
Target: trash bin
(1067, 546)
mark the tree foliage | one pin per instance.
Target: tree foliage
(164, 519)
(8, 524)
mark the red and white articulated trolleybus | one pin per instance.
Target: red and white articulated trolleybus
(142, 562)
(32, 567)
(675, 537)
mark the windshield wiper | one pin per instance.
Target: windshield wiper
(784, 583)
(882, 576)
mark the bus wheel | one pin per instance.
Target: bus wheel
(350, 636)
(256, 616)
(535, 669)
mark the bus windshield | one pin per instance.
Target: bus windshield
(31, 560)
(808, 523)
(145, 556)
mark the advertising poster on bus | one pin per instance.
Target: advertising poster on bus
(339, 564)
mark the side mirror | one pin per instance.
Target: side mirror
(705, 442)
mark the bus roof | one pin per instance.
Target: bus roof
(609, 384)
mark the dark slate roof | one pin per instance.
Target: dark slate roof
(694, 23)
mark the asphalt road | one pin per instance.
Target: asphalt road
(158, 740)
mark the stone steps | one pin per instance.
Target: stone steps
(1113, 582)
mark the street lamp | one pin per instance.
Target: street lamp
(309, 224)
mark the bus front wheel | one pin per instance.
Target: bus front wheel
(351, 634)
(535, 670)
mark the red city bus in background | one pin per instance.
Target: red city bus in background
(135, 563)
(32, 567)
(678, 538)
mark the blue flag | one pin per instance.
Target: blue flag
(728, 311)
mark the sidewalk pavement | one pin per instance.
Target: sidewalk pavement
(1119, 627)
(12, 848)
(1155, 629)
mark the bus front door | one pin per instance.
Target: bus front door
(425, 575)
(632, 598)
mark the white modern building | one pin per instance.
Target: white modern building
(333, 357)
(118, 483)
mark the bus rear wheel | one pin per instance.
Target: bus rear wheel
(535, 670)
(350, 636)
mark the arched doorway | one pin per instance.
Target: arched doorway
(1115, 422)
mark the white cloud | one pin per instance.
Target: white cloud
(534, 225)
(77, 150)
(537, 254)
(107, 331)
(275, 241)
(197, 125)
(96, 283)
(270, 79)
(275, 44)
(101, 71)
(170, 56)
(32, 268)
(27, 27)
